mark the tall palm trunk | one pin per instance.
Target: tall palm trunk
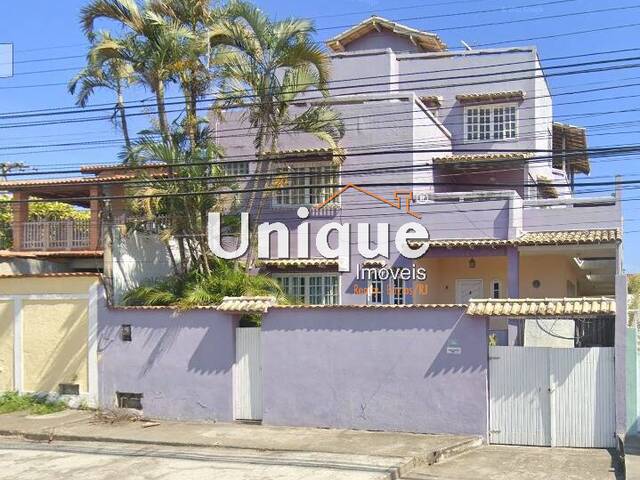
(162, 112)
(123, 119)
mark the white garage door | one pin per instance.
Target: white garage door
(562, 397)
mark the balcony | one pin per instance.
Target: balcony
(49, 236)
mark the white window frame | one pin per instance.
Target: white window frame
(307, 275)
(234, 168)
(275, 202)
(398, 296)
(491, 107)
(371, 285)
(495, 282)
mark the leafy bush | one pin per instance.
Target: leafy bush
(227, 279)
(34, 404)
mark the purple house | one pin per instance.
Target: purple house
(465, 144)
(510, 325)
(467, 138)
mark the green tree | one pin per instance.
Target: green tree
(266, 67)
(114, 75)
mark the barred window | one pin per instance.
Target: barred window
(317, 183)
(311, 289)
(498, 122)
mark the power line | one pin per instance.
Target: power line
(142, 103)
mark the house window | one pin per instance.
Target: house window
(374, 293)
(236, 168)
(496, 289)
(398, 292)
(315, 182)
(311, 289)
(496, 122)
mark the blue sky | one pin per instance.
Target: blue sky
(42, 31)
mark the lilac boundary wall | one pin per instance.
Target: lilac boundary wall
(386, 369)
(181, 362)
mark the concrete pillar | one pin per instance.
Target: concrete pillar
(94, 227)
(620, 352)
(20, 216)
(513, 272)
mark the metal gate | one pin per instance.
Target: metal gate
(247, 375)
(561, 397)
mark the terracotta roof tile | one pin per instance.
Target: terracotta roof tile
(491, 96)
(513, 307)
(52, 275)
(246, 304)
(481, 158)
(298, 263)
(556, 237)
(429, 42)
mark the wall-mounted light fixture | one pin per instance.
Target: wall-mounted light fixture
(472, 263)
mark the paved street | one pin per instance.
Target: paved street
(23, 460)
(107, 461)
(522, 463)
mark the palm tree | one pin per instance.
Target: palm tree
(267, 66)
(114, 75)
(187, 199)
(154, 49)
(195, 289)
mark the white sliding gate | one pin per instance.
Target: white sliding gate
(561, 397)
(247, 375)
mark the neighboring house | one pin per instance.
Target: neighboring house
(40, 246)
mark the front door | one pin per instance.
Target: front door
(468, 288)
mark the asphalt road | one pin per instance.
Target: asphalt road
(95, 461)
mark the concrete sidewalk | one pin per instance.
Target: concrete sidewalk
(73, 425)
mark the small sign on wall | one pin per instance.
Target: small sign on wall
(453, 348)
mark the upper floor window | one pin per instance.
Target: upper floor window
(316, 184)
(490, 122)
(311, 289)
(236, 168)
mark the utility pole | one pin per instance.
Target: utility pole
(7, 167)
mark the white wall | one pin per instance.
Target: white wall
(136, 259)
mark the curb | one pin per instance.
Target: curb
(406, 464)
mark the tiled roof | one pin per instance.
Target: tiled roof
(491, 96)
(63, 181)
(301, 152)
(298, 263)
(246, 304)
(428, 42)
(571, 140)
(117, 166)
(542, 307)
(481, 158)
(377, 307)
(60, 253)
(567, 237)
(432, 100)
(570, 237)
(466, 243)
(51, 275)
(546, 187)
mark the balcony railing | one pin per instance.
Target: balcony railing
(58, 235)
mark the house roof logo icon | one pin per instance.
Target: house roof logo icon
(402, 199)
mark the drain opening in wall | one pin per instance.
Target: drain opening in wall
(129, 400)
(69, 389)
